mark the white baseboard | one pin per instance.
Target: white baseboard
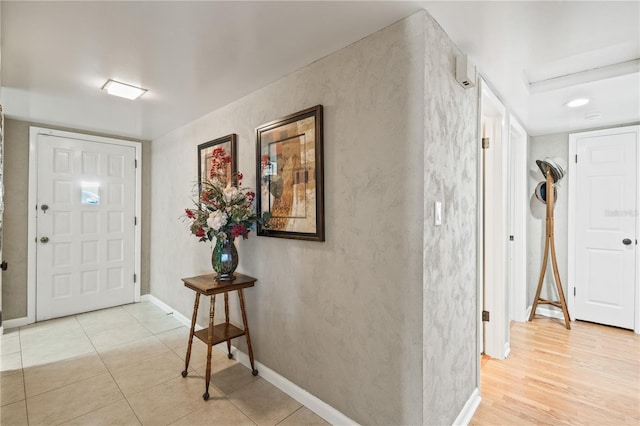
(313, 403)
(168, 309)
(551, 313)
(469, 409)
(16, 322)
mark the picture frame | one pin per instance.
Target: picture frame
(205, 151)
(290, 176)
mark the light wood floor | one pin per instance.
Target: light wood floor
(589, 375)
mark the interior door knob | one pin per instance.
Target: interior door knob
(626, 241)
(44, 207)
(44, 240)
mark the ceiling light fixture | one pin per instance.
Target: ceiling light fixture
(577, 102)
(123, 90)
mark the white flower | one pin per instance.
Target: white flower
(217, 220)
(230, 193)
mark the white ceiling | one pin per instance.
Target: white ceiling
(194, 57)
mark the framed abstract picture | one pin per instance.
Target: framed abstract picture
(289, 176)
(206, 155)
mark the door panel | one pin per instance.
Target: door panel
(606, 185)
(85, 226)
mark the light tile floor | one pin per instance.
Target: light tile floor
(121, 366)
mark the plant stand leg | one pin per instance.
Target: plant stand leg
(246, 331)
(212, 309)
(191, 332)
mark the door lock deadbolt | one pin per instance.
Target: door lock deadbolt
(44, 240)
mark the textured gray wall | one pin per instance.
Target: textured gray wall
(14, 246)
(450, 286)
(341, 319)
(14, 251)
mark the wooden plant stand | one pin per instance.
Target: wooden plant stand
(214, 334)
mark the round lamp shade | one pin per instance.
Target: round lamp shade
(557, 166)
(541, 192)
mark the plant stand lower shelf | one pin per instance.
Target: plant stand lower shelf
(224, 332)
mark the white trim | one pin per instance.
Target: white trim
(32, 216)
(479, 248)
(547, 312)
(571, 234)
(496, 237)
(168, 309)
(571, 243)
(469, 409)
(15, 323)
(312, 402)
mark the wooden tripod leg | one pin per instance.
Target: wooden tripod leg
(556, 274)
(191, 332)
(541, 280)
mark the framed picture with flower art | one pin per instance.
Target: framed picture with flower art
(221, 149)
(222, 210)
(289, 176)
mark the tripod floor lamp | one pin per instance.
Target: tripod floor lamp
(553, 171)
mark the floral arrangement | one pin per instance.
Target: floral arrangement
(223, 210)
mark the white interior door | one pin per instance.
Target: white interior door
(605, 227)
(86, 203)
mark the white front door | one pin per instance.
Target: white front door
(85, 236)
(605, 226)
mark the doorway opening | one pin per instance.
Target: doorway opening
(503, 287)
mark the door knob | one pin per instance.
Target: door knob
(626, 241)
(44, 240)
(44, 207)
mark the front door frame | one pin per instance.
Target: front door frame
(571, 246)
(34, 132)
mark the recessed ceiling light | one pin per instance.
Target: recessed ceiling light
(123, 90)
(593, 116)
(577, 102)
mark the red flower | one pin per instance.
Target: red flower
(238, 230)
(250, 196)
(200, 232)
(204, 196)
(189, 213)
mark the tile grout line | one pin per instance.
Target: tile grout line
(24, 382)
(110, 375)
